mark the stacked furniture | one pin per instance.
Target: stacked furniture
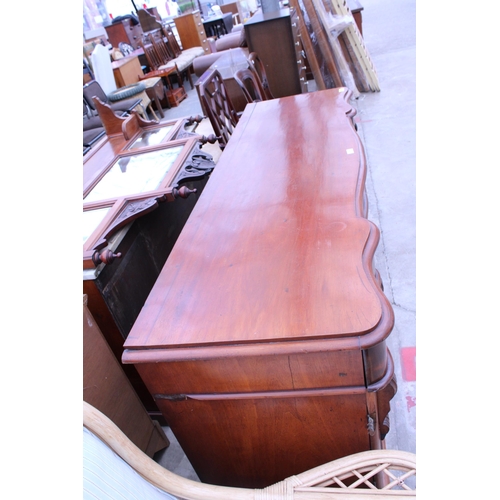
(170, 54)
(126, 30)
(130, 223)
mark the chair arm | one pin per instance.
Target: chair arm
(229, 41)
(202, 63)
(312, 484)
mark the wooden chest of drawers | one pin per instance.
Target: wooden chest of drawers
(274, 37)
(191, 31)
(124, 32)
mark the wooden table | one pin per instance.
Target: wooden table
(263, 338)
(155, 88)
(218, 25)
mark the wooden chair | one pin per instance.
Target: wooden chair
(217, 105)
(154, 61)
(172, 43)
(257, 66)
(158, 68)
(250, 85)
(156, 38)
(168, 59)
(114, 464)
(123, 106)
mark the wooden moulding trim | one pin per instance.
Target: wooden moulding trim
(158, 355)
(115, 125)
(386, 323)
(335, 391)
(196, 165)
(385, 380)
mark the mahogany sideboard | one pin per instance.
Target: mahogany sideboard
(263, 340)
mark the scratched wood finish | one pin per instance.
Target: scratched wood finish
(268, 302)
(289, 427)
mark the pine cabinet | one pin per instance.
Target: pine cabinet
(191, 31)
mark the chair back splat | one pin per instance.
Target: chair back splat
(171, 40)
(250, 85)
(217, 105)
(161, 50)
(154, 61)
(257, 66)
(163, 54)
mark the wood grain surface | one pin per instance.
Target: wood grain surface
(276, 248)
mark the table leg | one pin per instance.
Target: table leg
(153, 111)
(154, 97)
(158, 105)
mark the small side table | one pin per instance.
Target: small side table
(156, 92)
(127, 70)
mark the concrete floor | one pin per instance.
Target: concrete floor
(387, 127)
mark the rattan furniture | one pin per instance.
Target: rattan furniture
(349, 478)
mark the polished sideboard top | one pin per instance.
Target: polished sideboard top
(277, 254)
